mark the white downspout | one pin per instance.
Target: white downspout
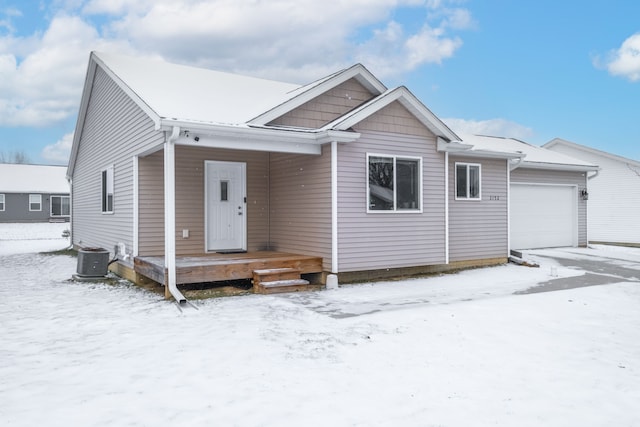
(334, 207)
(170, 216)
(70, 181)
(446, 207)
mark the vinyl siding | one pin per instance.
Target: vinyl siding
(478, 229)
(115, 130)
(395, 118)
(578, 179)
(614, 198)
(190, 200)
(326, 107)
(300, 208)
(371, 241)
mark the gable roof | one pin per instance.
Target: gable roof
(19, 178)
(404, 97)
(558, 141)
(312, 90)
(532, 156)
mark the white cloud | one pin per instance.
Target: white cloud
(58, 153)
(491, 127)
(625, 61)
(290, 40)
(42, 75)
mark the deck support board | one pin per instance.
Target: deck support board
(219, 267)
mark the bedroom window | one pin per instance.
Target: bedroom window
(60, 206)
(107, 190)
(468, 181)
(1, 202)
(35, 202)
(394, 183)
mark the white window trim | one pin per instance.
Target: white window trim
(395, 208)
(108, 169)
(40, 203)
(51, 206)
(3, 201)
(455, 186)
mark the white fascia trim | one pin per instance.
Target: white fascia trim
(443, 145)
(559, 167)
(259, 138)
(487, 154)
(358, 71)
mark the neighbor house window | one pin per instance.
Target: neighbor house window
(394, 183)
(35, 202)
(60, 206)
(1, 202)
(468, 181)
(107, 190)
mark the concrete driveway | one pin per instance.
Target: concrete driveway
(607, 265)
(576, 267)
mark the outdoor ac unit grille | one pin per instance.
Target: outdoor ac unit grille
(93, 262)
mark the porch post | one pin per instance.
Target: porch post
(170, 213)
(334, 207)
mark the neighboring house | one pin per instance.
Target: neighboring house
(172, 162)
(33, 193)
(614, 193)
(548, 203)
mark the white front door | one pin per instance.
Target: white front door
(225, 199)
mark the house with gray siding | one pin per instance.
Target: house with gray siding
(33, 193)
(183, 168)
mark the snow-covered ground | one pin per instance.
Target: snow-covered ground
(453, 350)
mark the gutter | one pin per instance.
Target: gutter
(597, 172)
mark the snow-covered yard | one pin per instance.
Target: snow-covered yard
(452, 350)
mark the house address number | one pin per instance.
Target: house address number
(494, 197)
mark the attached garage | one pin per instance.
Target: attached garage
(548, 194)
(543, 216)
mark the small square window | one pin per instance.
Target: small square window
(394, 183)
(468, 181)
(35, 202)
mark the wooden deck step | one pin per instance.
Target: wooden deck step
(278, 280)
(281, 286)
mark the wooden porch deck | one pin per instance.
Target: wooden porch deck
(217, 267)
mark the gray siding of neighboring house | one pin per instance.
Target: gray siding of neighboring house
(478, 228)
(190, 199)
(326, 107)
(115, 130)
(578, 179)
(17, 208)
(300, 209)
(381, 240)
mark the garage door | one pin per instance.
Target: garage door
(543, 216)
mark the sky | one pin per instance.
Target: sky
(533, 70)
